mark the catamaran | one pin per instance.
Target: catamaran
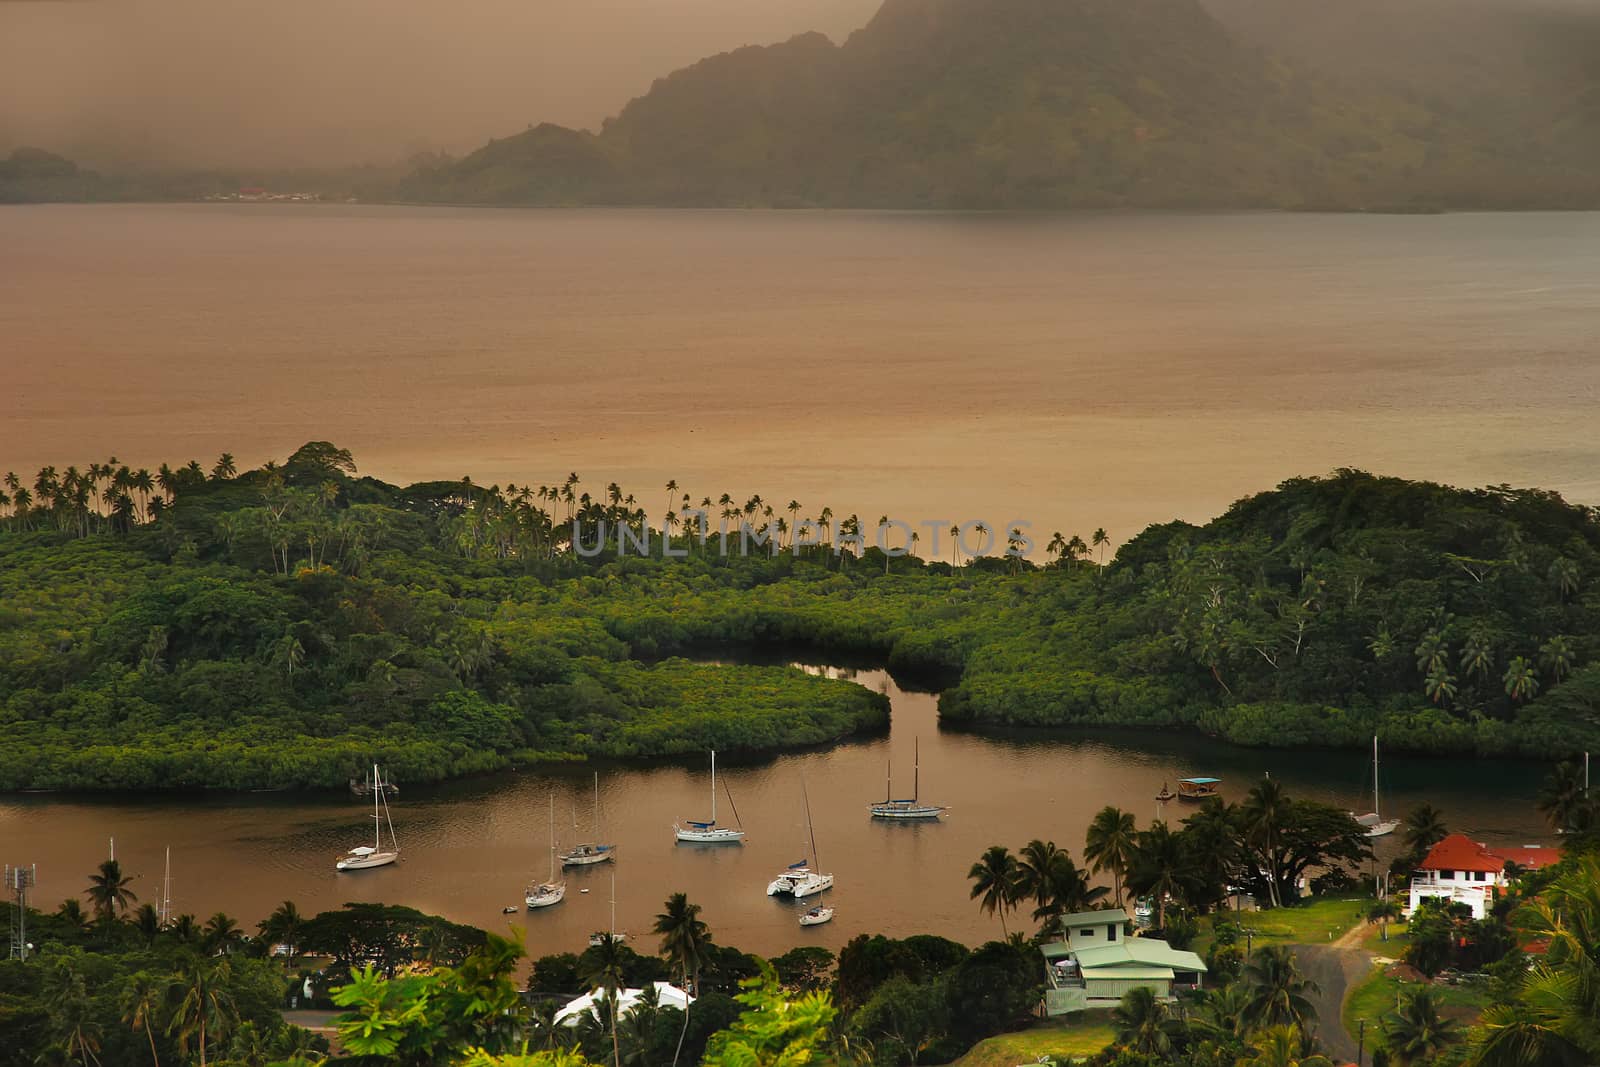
(890, 808)
(582, 855)
(549, 892)
(798, 879)
(1372, 822)
(364, 856)
(708, 832)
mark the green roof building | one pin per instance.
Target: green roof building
(1096, 962)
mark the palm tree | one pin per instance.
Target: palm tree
(1440, 686)
(147, 920)
(1562, 794)
(1262, 812)
(1564, 575)
(1100, 540)
(1477, 654)
(1383, 912)
(1283, 1046)
(995, 880)
(108, 891)
(1057, 546)
(1033, 865)
(1277, 993)
(1551, 1017)
(1110, 844)
(221, 935)
(684, 941)
(1424, 828)
(1144, 1024)
(1556, 656)
(1065, 891)
(1417, 1033)
(1521, 681)
(602, 970)
(283, 927)
(1432, 653)
(142, 1000)
(224, 467)
(71, 913)
(1159, 868)
(205, 1010)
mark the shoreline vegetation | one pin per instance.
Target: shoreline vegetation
(280, 627)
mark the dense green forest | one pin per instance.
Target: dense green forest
(290, 624)
(1405, 106)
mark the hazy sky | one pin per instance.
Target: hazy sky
(304, 81)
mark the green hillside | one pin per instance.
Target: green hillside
(1073, 103)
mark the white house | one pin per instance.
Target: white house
(1459, 870)
(667, 995)
(1096, 962)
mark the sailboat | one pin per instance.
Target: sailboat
(798, 879)
(549, 892)
(1373, 823)
(599, 937)
(708, 832)
(582, 855)
(362, 857)
(890, 808)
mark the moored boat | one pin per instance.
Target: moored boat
(817, 916)
(549, 892)
(694, 831)
(588, 853)
(1373, 822)
(890, 808)
(364, 857)
(1197, 789)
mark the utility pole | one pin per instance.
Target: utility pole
(1361, 1042)
(19, 880)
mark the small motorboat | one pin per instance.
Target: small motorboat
(817, 916)
(1165, 794)
(599, 938)
(583, 890)
(509, 909)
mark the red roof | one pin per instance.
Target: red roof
(1458, 852)
(1529, 857)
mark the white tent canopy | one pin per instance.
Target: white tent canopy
(667, 994)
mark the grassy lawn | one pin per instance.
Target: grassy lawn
(1313, 922)
(1061, 1039)
(1375, 998)
(1394, 948)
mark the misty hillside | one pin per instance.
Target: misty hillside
(1062, 103)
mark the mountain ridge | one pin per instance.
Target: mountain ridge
(1022, 103)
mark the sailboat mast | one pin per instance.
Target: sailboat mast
(552, 836)
(916, 769)
(888, 781)
(597, 805)
(810, 831)
(713, 787)
(166, 889)
(377, 820)
(1375, 809)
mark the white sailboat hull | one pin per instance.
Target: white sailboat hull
(1375, 826)
(906, 809)
(587, 855)
(362, 863)
(816, 917)
(709, 835)
(543, 896)
(799, 884)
